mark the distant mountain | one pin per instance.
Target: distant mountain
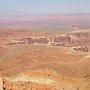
(13, 17)
(10, 12)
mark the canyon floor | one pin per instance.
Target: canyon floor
(44, 60)
(52, 53)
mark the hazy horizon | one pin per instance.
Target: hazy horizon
(44, 7)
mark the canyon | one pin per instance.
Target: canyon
(51, 53)
(52, 61)
(78, 40)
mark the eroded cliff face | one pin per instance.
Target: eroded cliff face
(79, 40)
(81, 37)
(62, 39)
(82, 34)
(42, 80)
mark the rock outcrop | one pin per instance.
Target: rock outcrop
(1, 84)
(41, 80)
(73, 39)
(81, 48)
(42, 41)
(62, 39)
(30, 40)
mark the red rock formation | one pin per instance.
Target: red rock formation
(81, 48)
(30, 41)
(73, 39)
(6, 84)
(84, 35)
(62, 39)
(42, 41)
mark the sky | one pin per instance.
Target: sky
(46, 6)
